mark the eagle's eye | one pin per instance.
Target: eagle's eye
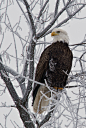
(58, 31)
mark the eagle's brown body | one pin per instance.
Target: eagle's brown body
(59, 56)
(54, 66)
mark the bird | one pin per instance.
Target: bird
(54, 66)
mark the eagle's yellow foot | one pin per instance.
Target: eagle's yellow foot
(57, 88)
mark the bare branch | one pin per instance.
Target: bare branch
(39, 35)
(30, 17)
(64, 21)
(14, 44)
(47, 117)
(31, 72)
(8, 83)
(56, 7)
(2, 40)
(42, 9)
(25, 116)
(22, 11)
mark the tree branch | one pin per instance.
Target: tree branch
(64, 21)
(56, 7)
(47, 117)
(30, 17)
(17, 77)
(52, 22)
(23, 114)
(31, 72)
(40, 13)
(22, 10)
(8, 83)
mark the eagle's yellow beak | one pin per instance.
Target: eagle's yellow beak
(54, 34)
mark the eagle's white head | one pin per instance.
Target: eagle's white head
(60, 35)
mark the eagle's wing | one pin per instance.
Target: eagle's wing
(42, 65)
(40, 71)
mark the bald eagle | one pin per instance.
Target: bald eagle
(54, 65)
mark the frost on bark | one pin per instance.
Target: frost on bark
(25, 26)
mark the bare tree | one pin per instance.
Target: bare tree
(22, 42)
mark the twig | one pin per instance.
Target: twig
(6, 49)
(47, 117)
(39, 35)
(14, 45)
(56, 7)
(30, 17)
(22, 11)
(1, 125)
(64, 21)
(72, 86)
(2, 40)
(40, 13)
(8, 83)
